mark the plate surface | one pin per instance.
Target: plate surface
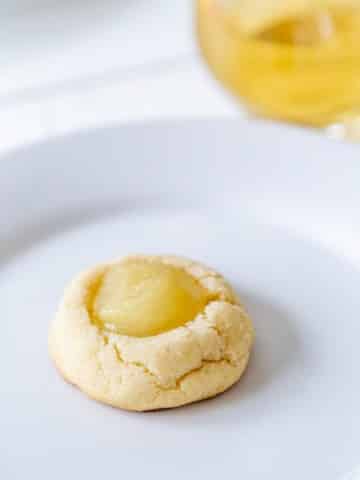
(274, 209)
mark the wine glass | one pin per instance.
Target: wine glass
(291, 60)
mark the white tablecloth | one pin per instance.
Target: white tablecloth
(73, 65)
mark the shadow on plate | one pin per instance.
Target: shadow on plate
(277, 350)
(277, 345)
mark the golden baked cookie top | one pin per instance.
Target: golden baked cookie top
(151, 332)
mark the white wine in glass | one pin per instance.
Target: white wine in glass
(291, 60)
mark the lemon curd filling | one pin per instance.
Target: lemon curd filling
(142, 298)
(107, 335)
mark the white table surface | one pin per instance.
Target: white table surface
(73, 65)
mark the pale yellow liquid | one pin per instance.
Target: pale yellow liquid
(141, 298)
(303, 69)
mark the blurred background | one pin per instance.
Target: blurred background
(71, 64)
(74, 64)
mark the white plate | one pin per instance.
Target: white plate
(275, 210)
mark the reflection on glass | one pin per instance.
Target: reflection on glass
(296, 61)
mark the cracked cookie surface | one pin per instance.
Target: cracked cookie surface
(197, 360)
